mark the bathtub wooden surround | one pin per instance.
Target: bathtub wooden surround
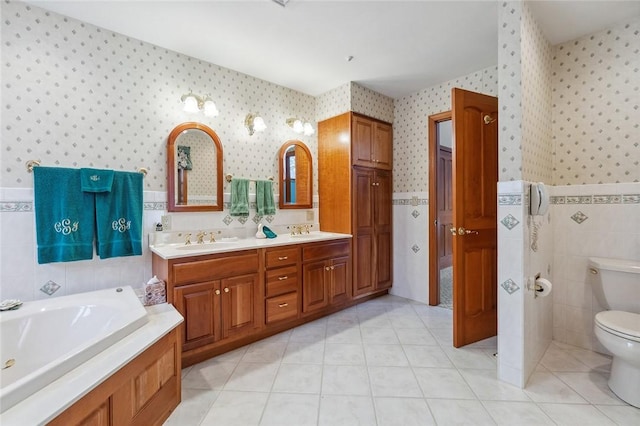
(144, 392)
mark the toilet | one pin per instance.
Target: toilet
(616, 286)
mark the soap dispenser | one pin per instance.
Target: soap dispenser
(260, 234)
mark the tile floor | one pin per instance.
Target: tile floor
(390, 361)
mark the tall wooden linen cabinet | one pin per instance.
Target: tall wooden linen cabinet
(354, 188)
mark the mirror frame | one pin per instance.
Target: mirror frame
(281, 155)
(171, 169)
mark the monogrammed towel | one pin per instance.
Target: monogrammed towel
(64, 215)
(119, 217)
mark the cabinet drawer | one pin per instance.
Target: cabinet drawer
(282, 257)
(282, 307)
(212, 269)
(325, 250)
(281, 280)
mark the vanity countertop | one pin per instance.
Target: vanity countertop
(226, 245)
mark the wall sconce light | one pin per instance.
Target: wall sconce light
(300, 126)
(254, 123)
(194, 103)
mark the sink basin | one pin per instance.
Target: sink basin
(312, 235)
(206, 246)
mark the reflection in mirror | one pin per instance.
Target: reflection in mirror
(296, 176)
(194, 169)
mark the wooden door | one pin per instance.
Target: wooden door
(315, 294)
(239, 304)
(475, 177)
(363, 231)
(339, 289)
(362, 140)
(199, 304)
(445, 208)
(382, 190)
(382, 151)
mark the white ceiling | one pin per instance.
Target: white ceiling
(399, 47)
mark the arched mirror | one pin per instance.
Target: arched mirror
(296, 176)
(194, 169)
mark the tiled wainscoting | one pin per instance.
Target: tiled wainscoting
(588, 220)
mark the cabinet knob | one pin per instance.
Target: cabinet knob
(326, 268)
(226, 289)
(283, 278)
(217, 292)
(283, 257)
(332, 268)
(283, 305)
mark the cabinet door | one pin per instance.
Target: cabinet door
(239, 304)
(362, 141)
(382, 151)
(315, 292)
(340, 285)
(199, 304)
(363, 231)
(383, 223)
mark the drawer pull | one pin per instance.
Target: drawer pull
(283, 278)
(283, 305)
(283, 257)
(226, 289)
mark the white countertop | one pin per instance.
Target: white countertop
(44, 405)
(226, 245)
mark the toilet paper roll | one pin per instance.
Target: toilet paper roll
(543, 287)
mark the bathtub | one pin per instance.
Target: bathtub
(45, 339)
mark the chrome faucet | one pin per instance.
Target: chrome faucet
(200, 237)
(187, 239)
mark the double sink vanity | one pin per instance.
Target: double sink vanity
(234, 291)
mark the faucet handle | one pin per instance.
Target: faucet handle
(212, 239)
(187, 239)
(200, 237)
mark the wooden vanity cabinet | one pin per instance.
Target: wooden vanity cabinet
(219, 296)
(326, 271)
(282, 284)
(355, 193)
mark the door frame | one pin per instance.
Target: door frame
(434, 148)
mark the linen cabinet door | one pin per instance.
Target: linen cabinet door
(383, 225)
(199, 304)
(362, 141)
(340, 280)
(363, 231)
(382, 152)
(239, 305)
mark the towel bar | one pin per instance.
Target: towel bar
(35, 163)
(228, 177)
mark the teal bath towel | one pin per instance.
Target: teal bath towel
(96, 180)
(239, 197)
(119, 217)
(64, 215)
(264, 197)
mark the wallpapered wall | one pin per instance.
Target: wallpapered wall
(354, 97)
(77, 95)
(410, 130)
(596, 105)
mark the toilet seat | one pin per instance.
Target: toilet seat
(620, 323)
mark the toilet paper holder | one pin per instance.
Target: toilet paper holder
(538, 289)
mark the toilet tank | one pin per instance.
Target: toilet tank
(616, 283)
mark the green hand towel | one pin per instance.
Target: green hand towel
(264, 197)
(239, 197)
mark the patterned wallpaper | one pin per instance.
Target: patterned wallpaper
(370, 103)
(410, 132)
(334, 102)
(76, 95)
(596, 107)
(537, 151)
(509, 92)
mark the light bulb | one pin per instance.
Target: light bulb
(308, 129)
(297, 126)
(210, 109)
(191, 104)
(259, 124)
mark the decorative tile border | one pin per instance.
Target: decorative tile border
(16, 206)
(410, 202)
(510, 199)
(155, 206)
(596, 199)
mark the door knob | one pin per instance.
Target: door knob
(462, 231)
